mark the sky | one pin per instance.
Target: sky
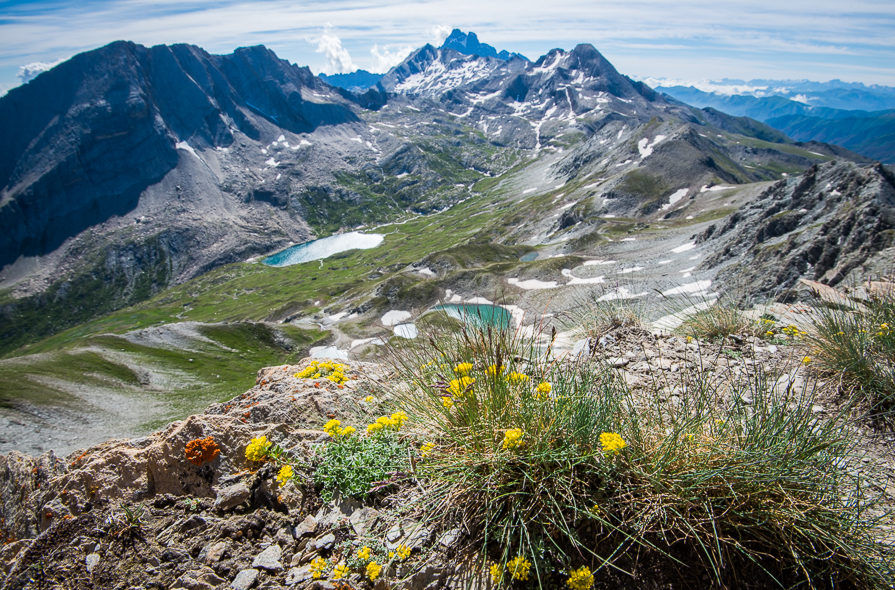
(819, 40)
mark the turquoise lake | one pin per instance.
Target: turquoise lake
(324, 248)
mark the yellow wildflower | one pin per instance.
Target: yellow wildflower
(543, 390)
(513, 438)
(257, 449)
(284, 475)
(341, 571)
(494, 371)
(580, 579)
(612, 442)
(399, 418)
(403, 552)
(689, 437)
(515, 377)
(426, 449)
(364, 553)
(768, 333)
(496, 573)
(519, 567)
(374, 428)
(806, 360)
(369, 399)
(463, 368)
(689, 339)
(391, 555)
(318, 566)
(373, 570)
(458, 387)
(333, 428)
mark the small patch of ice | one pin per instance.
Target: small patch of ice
(529, 190)
(532, 284)
(665, 261)
(408, 331)
(402, 175)
(376, 340)
(628, 240)
(646, 148)
(328, 352)
(594, 262)
(567, 205)
(480, 301)
(573, 280)
(685, 248)
(395, 317)
(623, 163)
(426, 271)
(271, 162)
(622, 293)
(609, 216)
(456, 299)
(691, 288)
(629, 270)
(335, 317)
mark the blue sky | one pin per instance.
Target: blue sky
(686, 40)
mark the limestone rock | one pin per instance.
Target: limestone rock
(363, 520)
(244, 579)
(269, 559)
(231, 496)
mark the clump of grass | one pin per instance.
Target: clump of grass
(557, 465)
(603, 311)
(857, 345)
(716, 322)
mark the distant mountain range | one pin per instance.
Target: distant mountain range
(832, 112)
(465, 43)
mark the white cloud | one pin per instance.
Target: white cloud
(338, 61)
(439, 33)
(384, 59)
(30, 71)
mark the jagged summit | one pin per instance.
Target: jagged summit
(469, 44)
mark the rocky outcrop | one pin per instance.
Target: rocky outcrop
(828, 225)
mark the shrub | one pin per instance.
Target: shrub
(354, 465)
(711, 480)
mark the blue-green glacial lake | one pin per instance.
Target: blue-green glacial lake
(478, 314)
(324, 248)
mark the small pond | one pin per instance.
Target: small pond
(479, 314)
(529, 257)
(324, 248)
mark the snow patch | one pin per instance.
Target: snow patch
(532, 284)
(408, 331)
(395, 317)
(689, 288)
(646, 148)
(685, 248)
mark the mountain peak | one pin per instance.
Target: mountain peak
(469, 44)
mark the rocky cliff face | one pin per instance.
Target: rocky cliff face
(826, 225)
